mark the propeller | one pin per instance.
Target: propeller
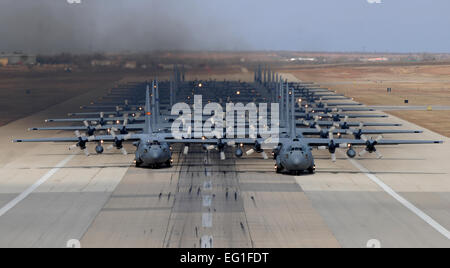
(258, 149)
(370, 146)
(118, 143)
(356, 132)
(220, 146)
(123, 130)
(332, 146)
(81, 143)
(90, 130)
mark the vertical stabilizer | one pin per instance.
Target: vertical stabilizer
(157, 115)
(153, 106)
(293, 131)
(286, 107)
(148, 122)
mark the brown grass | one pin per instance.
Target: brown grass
(421, 84)
(437, 121)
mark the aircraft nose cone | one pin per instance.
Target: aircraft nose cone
(296, 160)
(154, 154)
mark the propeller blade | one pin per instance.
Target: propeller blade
(364, 138)
(86, 124)
(333, 157)
(124, 152)
(322, 147)
(264, 155)
(109, 147)
(222, 155)
(379, 156)
(77, 133)
(71, 147)
(125, 120)
(379, 138)
(86, 152)
(343, 145)
(231, 143)
(210, 147)
(91, 138)
(250, 152)
(363, 152)
(127, 137)
(185, 150)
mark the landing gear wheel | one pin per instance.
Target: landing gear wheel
(169, 163)
(138, 163)
(279, 169)
(311, 170)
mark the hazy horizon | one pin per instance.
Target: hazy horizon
(394, 26)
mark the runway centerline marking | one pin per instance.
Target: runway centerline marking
(207, 200)
(33, 187)
(207, 185)
(206, 241)
(207, 220)
(402, 200)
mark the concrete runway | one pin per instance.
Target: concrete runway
(49, 195)
(410, 108)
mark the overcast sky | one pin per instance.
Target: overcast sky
(42, 26)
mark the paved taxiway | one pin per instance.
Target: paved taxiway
(104, 202)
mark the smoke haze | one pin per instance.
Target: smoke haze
(52, 26)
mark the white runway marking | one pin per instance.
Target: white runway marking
(207, 220)
(33, 187)
(402, 200)
(207, 241)
(207, 185)
(206, 200)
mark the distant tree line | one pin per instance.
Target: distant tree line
(68, 58)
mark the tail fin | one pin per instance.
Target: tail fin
(153, 105)
(156, 115)
(148, 122)
(293, 125)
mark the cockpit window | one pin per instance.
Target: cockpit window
(296, 149)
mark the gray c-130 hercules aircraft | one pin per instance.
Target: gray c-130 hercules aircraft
(153, 149)
(292, 152)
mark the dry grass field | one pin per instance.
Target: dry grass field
(24, 92)
(420, 84)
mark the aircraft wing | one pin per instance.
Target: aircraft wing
(96, 119)
(104, 127)
(388, 131)
(325, 142)
(128, 137)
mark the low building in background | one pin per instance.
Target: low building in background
(17, 58)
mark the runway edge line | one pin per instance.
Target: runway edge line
(33, 187)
